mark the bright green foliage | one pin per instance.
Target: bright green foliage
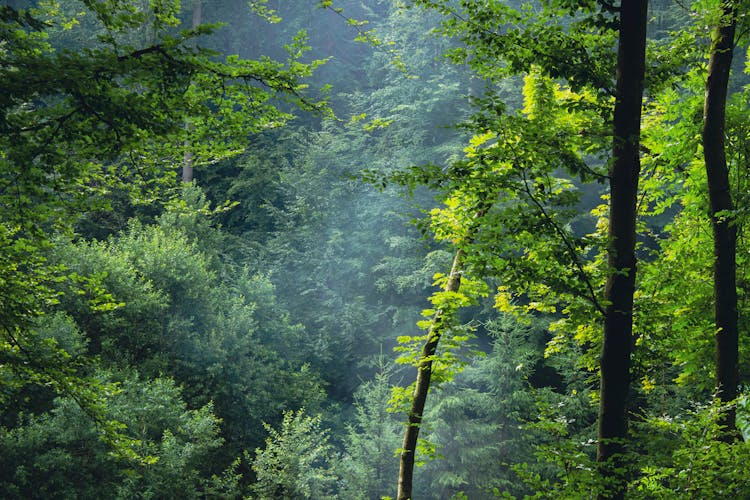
(538, 161)
(691, 461)
(531, 236)
(675, 297)
(510, 211)
(447, 362)
(296, 461)
(148, 332)
(530, 166)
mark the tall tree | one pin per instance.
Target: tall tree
(623, 180)
(495, 32)
(422, 384)
(369, 465)
(723, 221)
(78, 124)
(296, 461)
(471, 206)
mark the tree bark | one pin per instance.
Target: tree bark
(618, 321)
(187, 166)
(422, 387)
(721, 206)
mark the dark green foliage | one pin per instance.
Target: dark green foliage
(159, 340)
(296, 461)
(688, 459)
(69, 125)
(369, 464)
(91, 108)
(477, 421)
(230, 343)
(334, 246)
(60, 454)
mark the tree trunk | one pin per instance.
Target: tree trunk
(422, 387)
(187, 166)
(618, 321)
(721, 205)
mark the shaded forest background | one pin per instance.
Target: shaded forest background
(233, 336)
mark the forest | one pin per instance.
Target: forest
(374, 249)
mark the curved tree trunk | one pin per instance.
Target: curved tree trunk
(618, 321)
(721, 205)
(422, 387)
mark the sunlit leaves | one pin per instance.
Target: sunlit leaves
(261, 8)
(442, 324)
(92, 106)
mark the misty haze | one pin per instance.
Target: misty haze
(381, 249)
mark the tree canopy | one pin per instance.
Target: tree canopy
(347, 249)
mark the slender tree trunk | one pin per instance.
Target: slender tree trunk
(422, 387)
(618, 321)
(187, 165)
(724, 229)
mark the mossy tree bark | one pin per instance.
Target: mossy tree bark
(422, 386)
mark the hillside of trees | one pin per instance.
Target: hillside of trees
(374, 249)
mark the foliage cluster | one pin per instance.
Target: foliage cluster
(232, 337)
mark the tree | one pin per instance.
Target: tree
(437, 327)
(463, 218)
(183, 311)
(296, 461)
(623, 181)
(106, 115)
(477, 422)
(60, 454)
(339, 251)
(369, 465)
(494, 31)
(699, 162)
(187, 167)
(723, 220)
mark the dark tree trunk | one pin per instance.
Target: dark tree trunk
(422, 387)
(618, 321)
(187, 165)
(723, 223)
